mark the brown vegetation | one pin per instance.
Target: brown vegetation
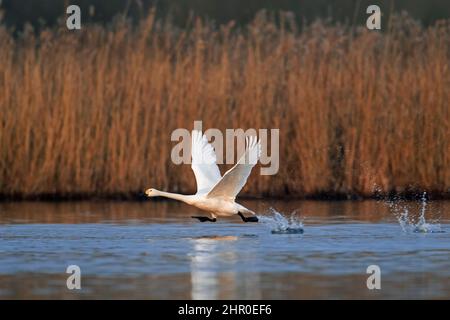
(91, 111)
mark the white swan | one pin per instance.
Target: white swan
(217, 194)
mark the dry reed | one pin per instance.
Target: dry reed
(91, 112)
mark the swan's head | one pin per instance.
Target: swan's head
(151, 192)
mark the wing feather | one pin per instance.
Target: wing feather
(206, 171)
(234, 179)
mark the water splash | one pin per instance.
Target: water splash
(407, 221)
(279, 224)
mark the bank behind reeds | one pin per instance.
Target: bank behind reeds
(91, 112)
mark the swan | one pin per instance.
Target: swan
(216, 194)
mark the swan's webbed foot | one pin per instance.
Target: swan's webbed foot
(248, 219)
(204, 219)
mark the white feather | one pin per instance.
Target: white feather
(204, 165)
(234, 179)
(217, 194)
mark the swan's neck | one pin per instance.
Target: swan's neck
(180, 197)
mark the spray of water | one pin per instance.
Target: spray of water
(409, 223)
(279, 224)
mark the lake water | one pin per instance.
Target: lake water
(154, 250)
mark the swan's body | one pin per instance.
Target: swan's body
(216, 194)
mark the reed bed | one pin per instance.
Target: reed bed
(90, 112)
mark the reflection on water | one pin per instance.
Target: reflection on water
(208, 283)
(165, 211)
(205, 284)
(153, 250)
(204, 280)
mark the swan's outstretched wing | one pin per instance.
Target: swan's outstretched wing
(204, 165)
(234, 179)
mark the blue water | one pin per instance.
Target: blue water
(171, 256)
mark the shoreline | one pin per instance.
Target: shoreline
(141, 197)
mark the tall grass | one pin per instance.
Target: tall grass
(90, 112)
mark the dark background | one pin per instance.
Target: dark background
(46, 12)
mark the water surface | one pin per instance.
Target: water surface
(154, 250)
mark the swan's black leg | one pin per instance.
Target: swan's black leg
(204, 219)
(248, 219)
